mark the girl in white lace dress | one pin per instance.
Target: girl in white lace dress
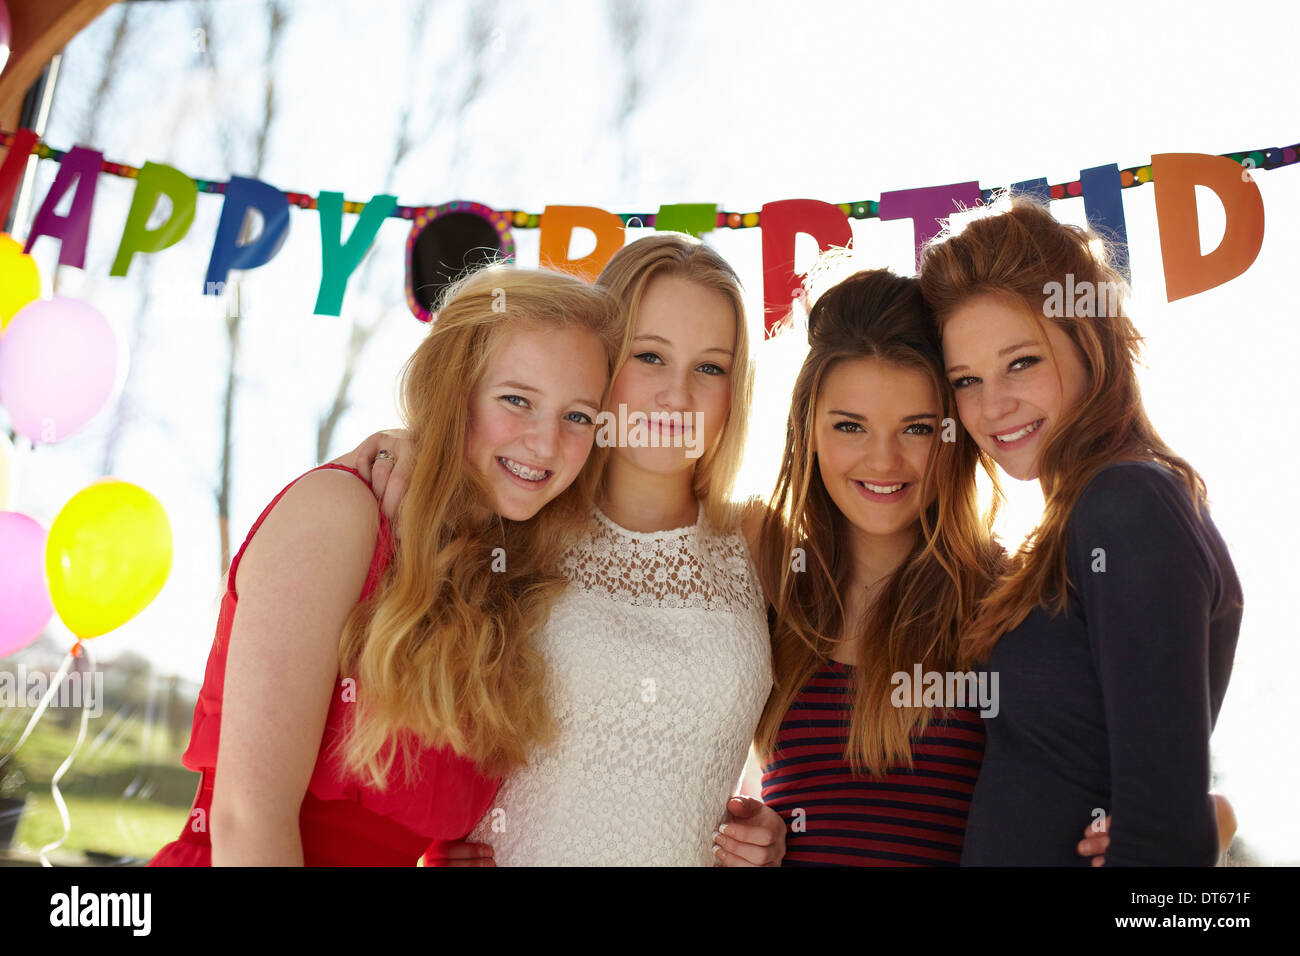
(658, 654)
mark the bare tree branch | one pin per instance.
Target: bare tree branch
(625, 22)
(479, 35)
(276, 20)
(116, 49)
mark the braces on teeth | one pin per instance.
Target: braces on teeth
(527, 474)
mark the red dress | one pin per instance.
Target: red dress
(342, 822)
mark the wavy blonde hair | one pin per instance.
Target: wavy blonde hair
(1016, 252)
(442, 650)
(625, 277)
(919, 614)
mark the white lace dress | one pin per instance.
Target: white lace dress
(658, 666)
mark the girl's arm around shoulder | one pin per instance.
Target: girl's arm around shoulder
(297, 582)
(390, 475)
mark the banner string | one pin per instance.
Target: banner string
(1130, 178)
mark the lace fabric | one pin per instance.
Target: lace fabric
(665, 569)
(658, 668)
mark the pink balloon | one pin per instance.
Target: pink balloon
(25, 606)
(58, 361)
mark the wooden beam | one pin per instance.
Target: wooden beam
(41, 28)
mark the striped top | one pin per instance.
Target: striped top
(838, 818)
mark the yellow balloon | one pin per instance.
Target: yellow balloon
(6, 470)
(20, 281)
(107, 556)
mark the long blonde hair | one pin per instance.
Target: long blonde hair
(442, 651)
(1017, 254)
(919, 614)
(625, 277)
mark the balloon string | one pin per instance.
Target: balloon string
(77, 649)
(40, 708)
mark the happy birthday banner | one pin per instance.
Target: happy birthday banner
(446, 238)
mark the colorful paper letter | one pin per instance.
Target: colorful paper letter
(79, 165)
(694, 219)
(1176, 176)
(927, 206)
(155, 180)
(11, 172)
(339, 261)
(1103, 204)
(557, 225)
(781, 221)
(1037, 188)
(227, 252)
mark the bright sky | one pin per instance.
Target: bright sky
(839, 103)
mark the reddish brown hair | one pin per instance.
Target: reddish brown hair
(1017, 254)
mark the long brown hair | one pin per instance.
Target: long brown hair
(1022, 254)
(442, 651)
(625, 277)
(919, 614)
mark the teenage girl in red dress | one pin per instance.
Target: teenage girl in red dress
(362, 698)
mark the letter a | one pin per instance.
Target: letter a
(1052, 307)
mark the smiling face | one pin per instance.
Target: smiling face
(874, 428)
(1010, 389)
(681, 361)
(532, 416)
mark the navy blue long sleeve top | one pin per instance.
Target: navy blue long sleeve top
(1110, 705)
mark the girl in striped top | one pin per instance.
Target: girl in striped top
(873, 552)
(903, 817)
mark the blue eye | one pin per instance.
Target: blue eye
(717, 369)
(507, 398)
(647, 356)
(582, 418)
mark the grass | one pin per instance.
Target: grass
(115, 745)
(118, 756)
(112, 825)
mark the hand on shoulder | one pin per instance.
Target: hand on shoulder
(386, 460)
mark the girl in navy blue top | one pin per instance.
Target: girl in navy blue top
(1113, 629)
